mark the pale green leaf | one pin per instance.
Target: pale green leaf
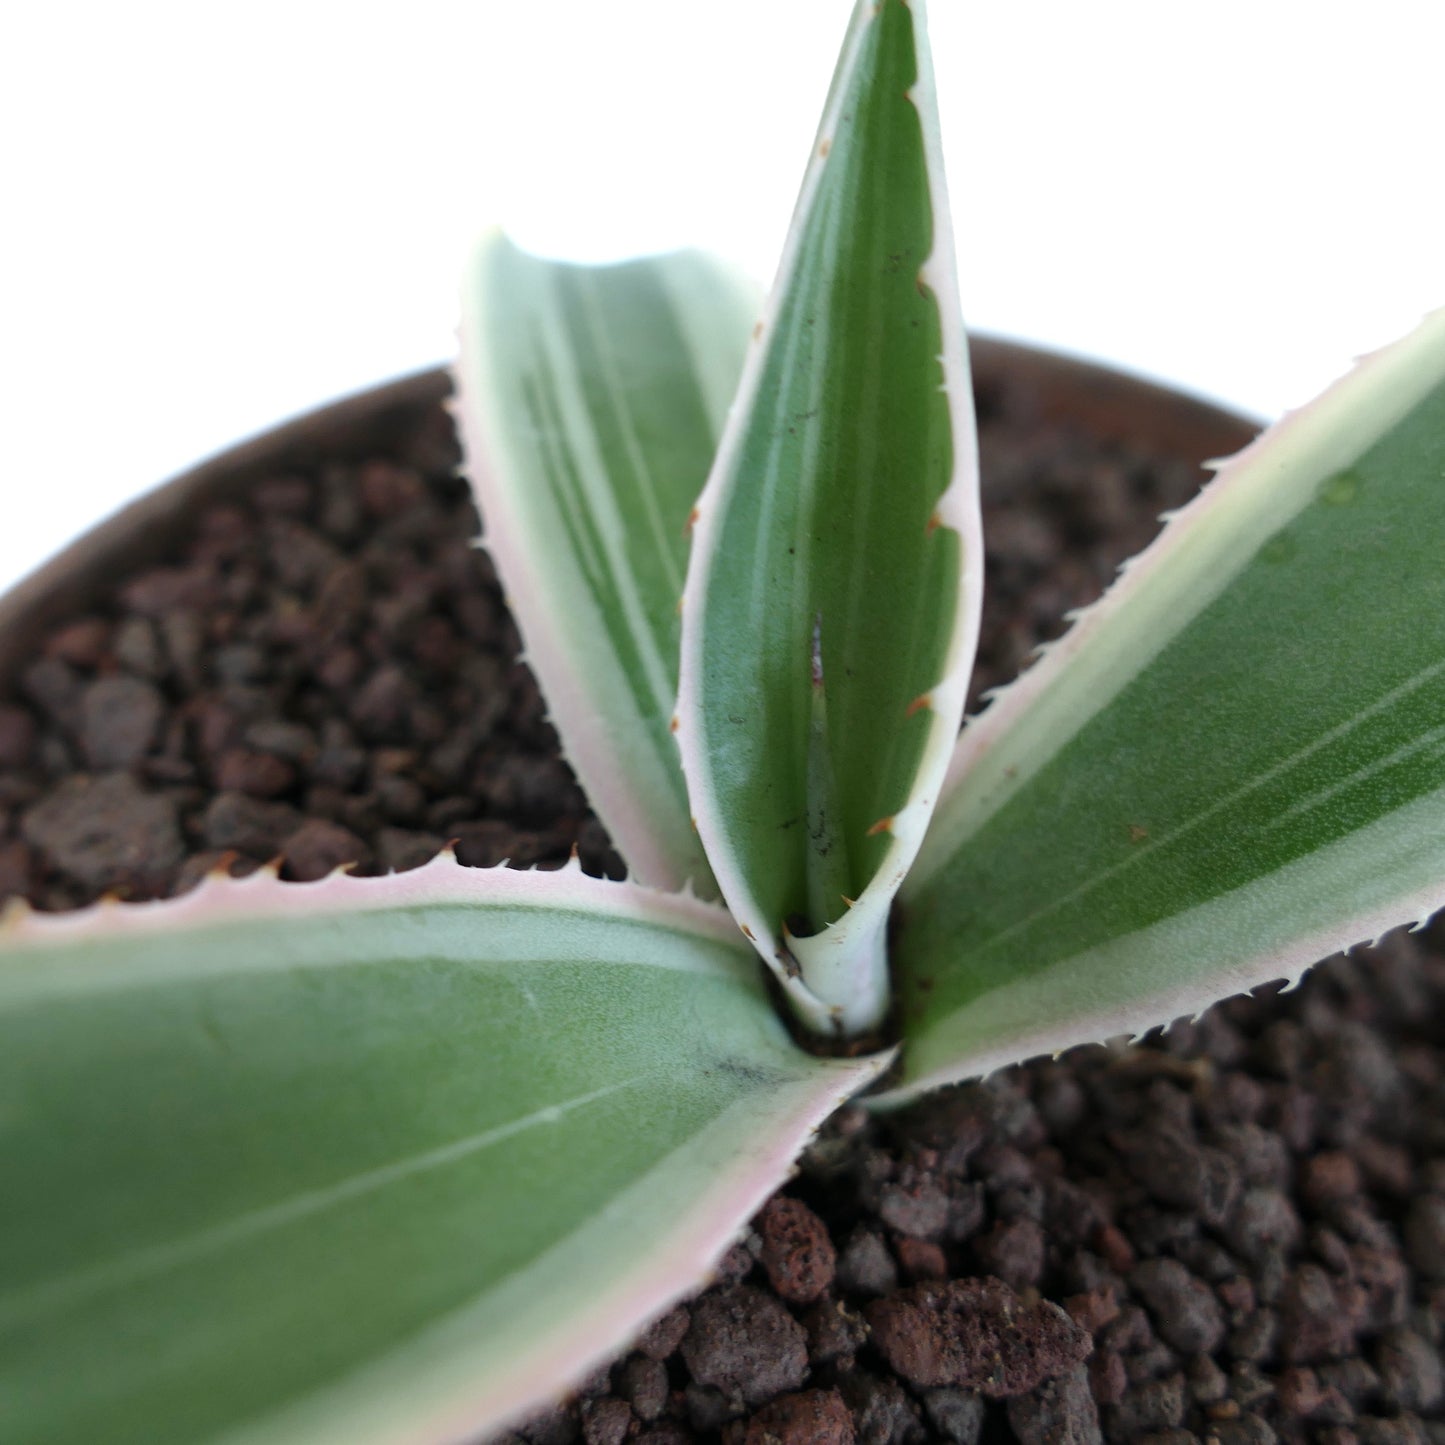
(591, 402)
(369, 1160)
(1232, 765)
(839, 525)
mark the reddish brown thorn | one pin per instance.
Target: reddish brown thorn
(748, 932)
(672, 726)
(691, 522)
(757, 331)
(221, 868)
(922, 701)
(824, 146)
(883, 825)
(934, 523)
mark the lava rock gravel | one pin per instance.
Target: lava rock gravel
(1232, 1234)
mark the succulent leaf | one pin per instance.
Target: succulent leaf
(591, 402)
(1233, 765)
(370, 1160)
(837, 548)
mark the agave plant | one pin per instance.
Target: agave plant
(396, 1159)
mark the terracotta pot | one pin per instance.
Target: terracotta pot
(1101, 402)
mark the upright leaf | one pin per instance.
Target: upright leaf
(832, 598)
(380, 1160)
(592, 398)
(1233, 765)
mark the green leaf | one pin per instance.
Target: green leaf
(369, 1160)
(1233, 765)
(592, 399)
(843, 509)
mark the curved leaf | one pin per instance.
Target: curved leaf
(831, 607)
(591, 401)
(1233, 765)
(369, 1160)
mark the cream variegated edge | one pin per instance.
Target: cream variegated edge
(613, 726)
(1201, 549)
(863, 1001)
(1345, 893)
(683, 1248)
(450, 1382)
(219, 899)
(1275, 928)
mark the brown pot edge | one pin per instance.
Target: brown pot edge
(1108, 403)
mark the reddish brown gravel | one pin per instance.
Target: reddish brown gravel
(1232, 1235)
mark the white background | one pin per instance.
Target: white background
(217, 214)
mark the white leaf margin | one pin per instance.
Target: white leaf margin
(1279, 926)
(958, 509)
(436, 1388)
(604, 737)
(1203, 546)
(219, 900)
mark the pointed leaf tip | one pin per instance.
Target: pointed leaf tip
(847, 474)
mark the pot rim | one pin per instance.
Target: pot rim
(1062, 389)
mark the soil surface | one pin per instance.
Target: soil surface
(1231, 1234)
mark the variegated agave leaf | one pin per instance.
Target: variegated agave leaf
(1233, 765)
(591, 402)
(831, 608)
(370, 1160)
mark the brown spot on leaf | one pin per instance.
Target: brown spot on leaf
(1137, 834)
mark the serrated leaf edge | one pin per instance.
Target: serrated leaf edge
(977, 782)
(220, 899)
